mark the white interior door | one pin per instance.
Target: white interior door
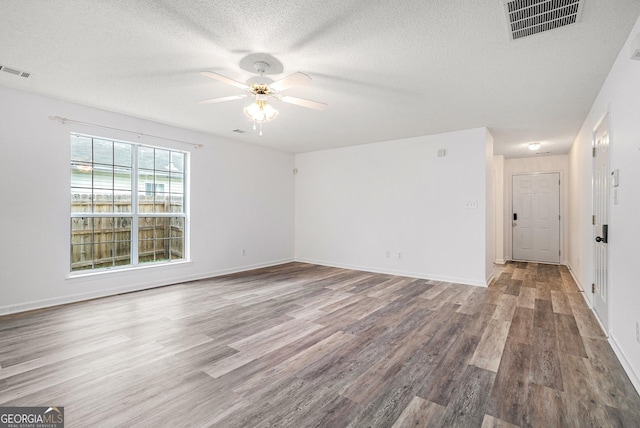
(601, 222)
(536, 217)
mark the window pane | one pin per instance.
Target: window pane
(152, 250)
(103, 201)
(145, 251)
(81, 148)
(177, 162)
(145, 182)
(145, 191)
(162, 181)
(177, 248)
(81, 175)
(155, 238)
(122, 154)
(100, 242)
(103, 177)
(122, 201)
(81, 230)
(177, 204)
(145, 203)
(122, 253)
(177, 223)
(122, 178)
(122, 229)
(177, 238)
(122, 241)
(103, 229)
(102, 151)
(161, 203)
(81, 257)
(162, 160)
(162, 249)
(177, 183)
(161, 227)
(145, 228)
(145, 157)
(103, 255)
(81, 200)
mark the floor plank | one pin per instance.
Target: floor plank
(420, 413)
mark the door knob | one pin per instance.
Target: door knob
(605, 234)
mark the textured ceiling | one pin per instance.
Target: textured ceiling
(388, 70)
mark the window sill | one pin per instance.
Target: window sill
(85, 275)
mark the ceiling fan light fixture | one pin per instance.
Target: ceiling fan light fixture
(534, 146)
(260, 112)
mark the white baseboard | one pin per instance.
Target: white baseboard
(454, 280)
(73, 298)
(574, 278)
(490, 279)
(587, 301)
(586, 298)
(628, 368)
(500, 261)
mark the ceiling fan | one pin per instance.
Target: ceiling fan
(261, 89)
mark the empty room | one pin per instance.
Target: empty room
(320, 214)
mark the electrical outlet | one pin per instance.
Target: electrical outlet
(399, 256)
(638, 331)
(388, 254)
(243, 252)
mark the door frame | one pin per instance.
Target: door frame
(603, 323)
(509, 210)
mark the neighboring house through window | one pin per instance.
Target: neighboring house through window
(127, 203)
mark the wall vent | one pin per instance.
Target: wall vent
(14, 71)
(529, 17)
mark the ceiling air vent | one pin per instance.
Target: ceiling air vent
(528, 17)
(14, 71)
(239, 131)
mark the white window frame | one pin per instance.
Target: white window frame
(135, 215)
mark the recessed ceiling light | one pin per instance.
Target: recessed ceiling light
(534, 146)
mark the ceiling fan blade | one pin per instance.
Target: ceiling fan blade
(295, 79)
(304, 103)
(221, 99)
(224, 79)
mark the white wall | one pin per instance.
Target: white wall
(499, 202)
(489, 208)
(619, 95)
(241, 197)
(354, 204)
(528, 166)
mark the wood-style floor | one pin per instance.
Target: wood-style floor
(301, 346)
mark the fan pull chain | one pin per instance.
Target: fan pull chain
(261, 129)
